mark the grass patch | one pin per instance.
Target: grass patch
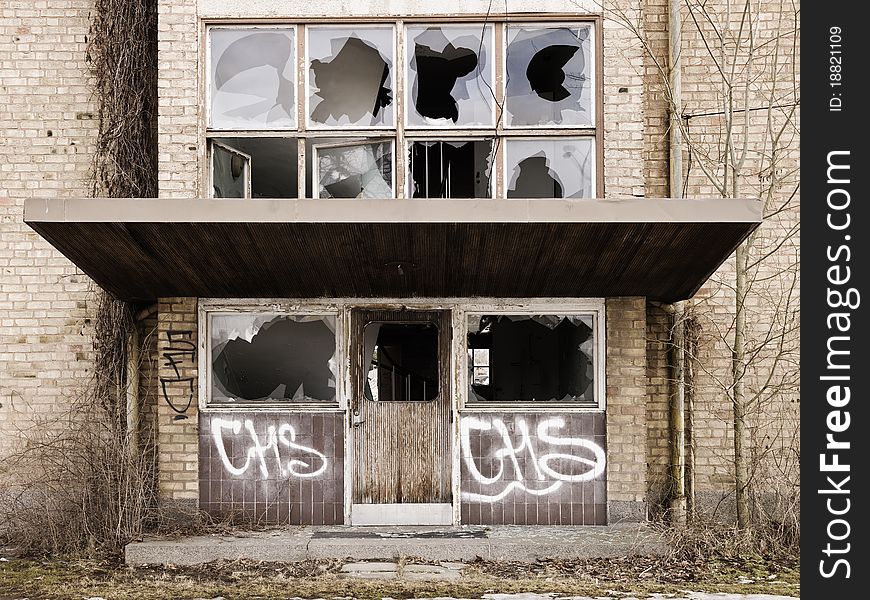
(243, 580)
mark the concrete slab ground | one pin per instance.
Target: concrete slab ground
(512, 542)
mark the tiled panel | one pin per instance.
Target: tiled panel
(533, 469)
(272, 468)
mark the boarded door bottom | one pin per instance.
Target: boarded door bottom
(402, 514)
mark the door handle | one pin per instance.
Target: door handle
(357, 421)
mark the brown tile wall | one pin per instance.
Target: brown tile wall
(299, 479)
(489, 451)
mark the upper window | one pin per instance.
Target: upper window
(398, 109)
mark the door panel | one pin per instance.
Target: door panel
(401, 448)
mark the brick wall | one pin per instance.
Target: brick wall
(774, 422)
(626, 408)
(177, 406)
(47, 129)
(657, 407)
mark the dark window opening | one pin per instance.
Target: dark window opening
(273, 358)
(272, 163)
(451, 169)
(403, 362)
(531, 358)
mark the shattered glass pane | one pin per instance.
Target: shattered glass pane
(403, 362)
(230, 172)
(362, 170)
(531, 358)
(350, 76)
(273, 165)
(269, 357)
(450, 76)
(550, 168)
(252, 78)
(451, 169)
(549, 75)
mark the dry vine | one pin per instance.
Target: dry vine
(85, 477)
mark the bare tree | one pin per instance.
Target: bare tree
(739, 134)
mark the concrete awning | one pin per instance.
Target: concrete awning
(142, 249)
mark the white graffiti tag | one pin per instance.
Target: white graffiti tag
(545, 465)
(284, 435)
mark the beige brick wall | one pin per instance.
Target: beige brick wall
(47, 129)
(775, 421)
(177, 406)
(626, 403)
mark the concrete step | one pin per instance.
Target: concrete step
(432, 544)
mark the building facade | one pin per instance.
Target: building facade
(405, 265)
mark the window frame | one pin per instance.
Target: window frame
(403, 187)
(438, 359)
(590, 307)
(208, 309)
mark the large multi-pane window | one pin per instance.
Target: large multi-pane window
(403, 110)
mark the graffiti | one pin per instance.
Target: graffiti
(180, 352)
(269, 446)
(552, 470)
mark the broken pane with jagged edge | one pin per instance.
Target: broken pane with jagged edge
(531, 358)
(272, 357)
(231, 171)
(549, 76)
(350, 76)
(550, 168)
(451, 169)
(252, 78)
(450, 76)
(361, 170)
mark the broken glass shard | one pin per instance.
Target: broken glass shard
(531, 358)
(230, 171)
(252, 78)
(350, 76)
(268, 357)
(450, 76)
(549, 76)
(451, 169)
(550, 168)
(361, 170)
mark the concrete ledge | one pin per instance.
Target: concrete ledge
(516, 543)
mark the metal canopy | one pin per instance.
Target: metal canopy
(141, 249)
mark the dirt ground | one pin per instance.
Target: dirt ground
(613, 577)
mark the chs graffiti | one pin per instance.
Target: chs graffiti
(266, 450)
(585, 456)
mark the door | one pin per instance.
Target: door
(400, 416)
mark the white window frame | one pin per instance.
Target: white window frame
(208, 77)
(493, 168)
(315, 159)
(207, 308)
(587, 307)
(399, 131)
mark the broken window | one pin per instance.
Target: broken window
(356, 170)
(272, 358)
(450, 76)
(549, 75)
(450, 169)
(403, 362)
(272, 163)
(231, 172)
(350, 76)
(252, 77)
(531, 358)
(550, 168)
